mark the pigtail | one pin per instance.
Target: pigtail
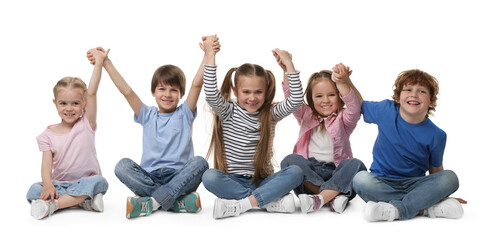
(217, 145)
(263, 156)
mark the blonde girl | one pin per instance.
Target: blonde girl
(323, 150)
(242, 138)
(70, 171)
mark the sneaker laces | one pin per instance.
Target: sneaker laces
(231, 209)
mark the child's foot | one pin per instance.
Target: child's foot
(95, 204)
(187, 203)
(284, 204)
(339, 203)
(42, 208)
(380, 211)
(226, 208)
(139, 206)
(310, 203)
(448, 208)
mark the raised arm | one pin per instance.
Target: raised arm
(295, 98)
(210, 42)
(91, 107)
(341, 76)
(120, 83)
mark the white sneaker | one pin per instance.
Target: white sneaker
(448, 208)
(42, 208)
(310, 203)
(95, 204)
(226, 208)
(380, 211)
(339, 203)
(285, 204)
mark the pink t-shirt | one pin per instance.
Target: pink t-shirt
(74, 153)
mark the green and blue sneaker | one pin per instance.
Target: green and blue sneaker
(187, 203)
(138, 206)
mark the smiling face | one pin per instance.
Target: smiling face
(414, 103)
(167, 97)
(70, 105)
(250, 92)
(325, 97)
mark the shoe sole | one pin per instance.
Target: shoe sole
(129, 208)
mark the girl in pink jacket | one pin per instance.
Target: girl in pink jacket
(323, 150)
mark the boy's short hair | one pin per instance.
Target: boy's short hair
(416, 76)
(169, 75)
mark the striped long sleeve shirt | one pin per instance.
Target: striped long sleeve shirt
(241, 129)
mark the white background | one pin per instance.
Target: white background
(43, 41)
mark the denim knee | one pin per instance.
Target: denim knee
(199, 162)
(210, 177)
(122, 167)
(297, 174)
(448, 181)
(361, 181)
(292, 159)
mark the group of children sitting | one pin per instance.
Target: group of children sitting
(322, 169)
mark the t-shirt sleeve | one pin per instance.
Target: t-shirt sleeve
(144, 115)
(436, 157)
(43, 142)
(373, 111)
(369, 111)
(190, 116)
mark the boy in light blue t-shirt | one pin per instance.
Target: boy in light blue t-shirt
(169, 172)
(408, 144)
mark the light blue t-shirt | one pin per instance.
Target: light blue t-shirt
(167, 137)
(402, 149)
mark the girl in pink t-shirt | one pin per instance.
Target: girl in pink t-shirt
(70, 171)
(323, 150)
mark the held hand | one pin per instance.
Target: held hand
(341, 73)
(210, 44)
(97, 55)
(284, 59)
(49, 192)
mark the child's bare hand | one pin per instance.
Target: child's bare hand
(210, 45)
(49, 192)
(97, 55)
(284, 58)
(341, 73)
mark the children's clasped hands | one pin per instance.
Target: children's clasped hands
(284, 59)
(210, 44)
(341, 73)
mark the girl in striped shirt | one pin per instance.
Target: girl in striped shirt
(242, 138)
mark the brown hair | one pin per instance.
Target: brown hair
(313, 79)
(263, 156)
(169, 75)
(416, 76)
(70, 82)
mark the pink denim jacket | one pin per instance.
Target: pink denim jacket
(339, 126)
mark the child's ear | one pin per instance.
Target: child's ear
(235, 91)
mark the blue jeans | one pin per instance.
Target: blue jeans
(233, 186)
(89, 186)
(165, 185)
(409, 195)
(326, 175)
